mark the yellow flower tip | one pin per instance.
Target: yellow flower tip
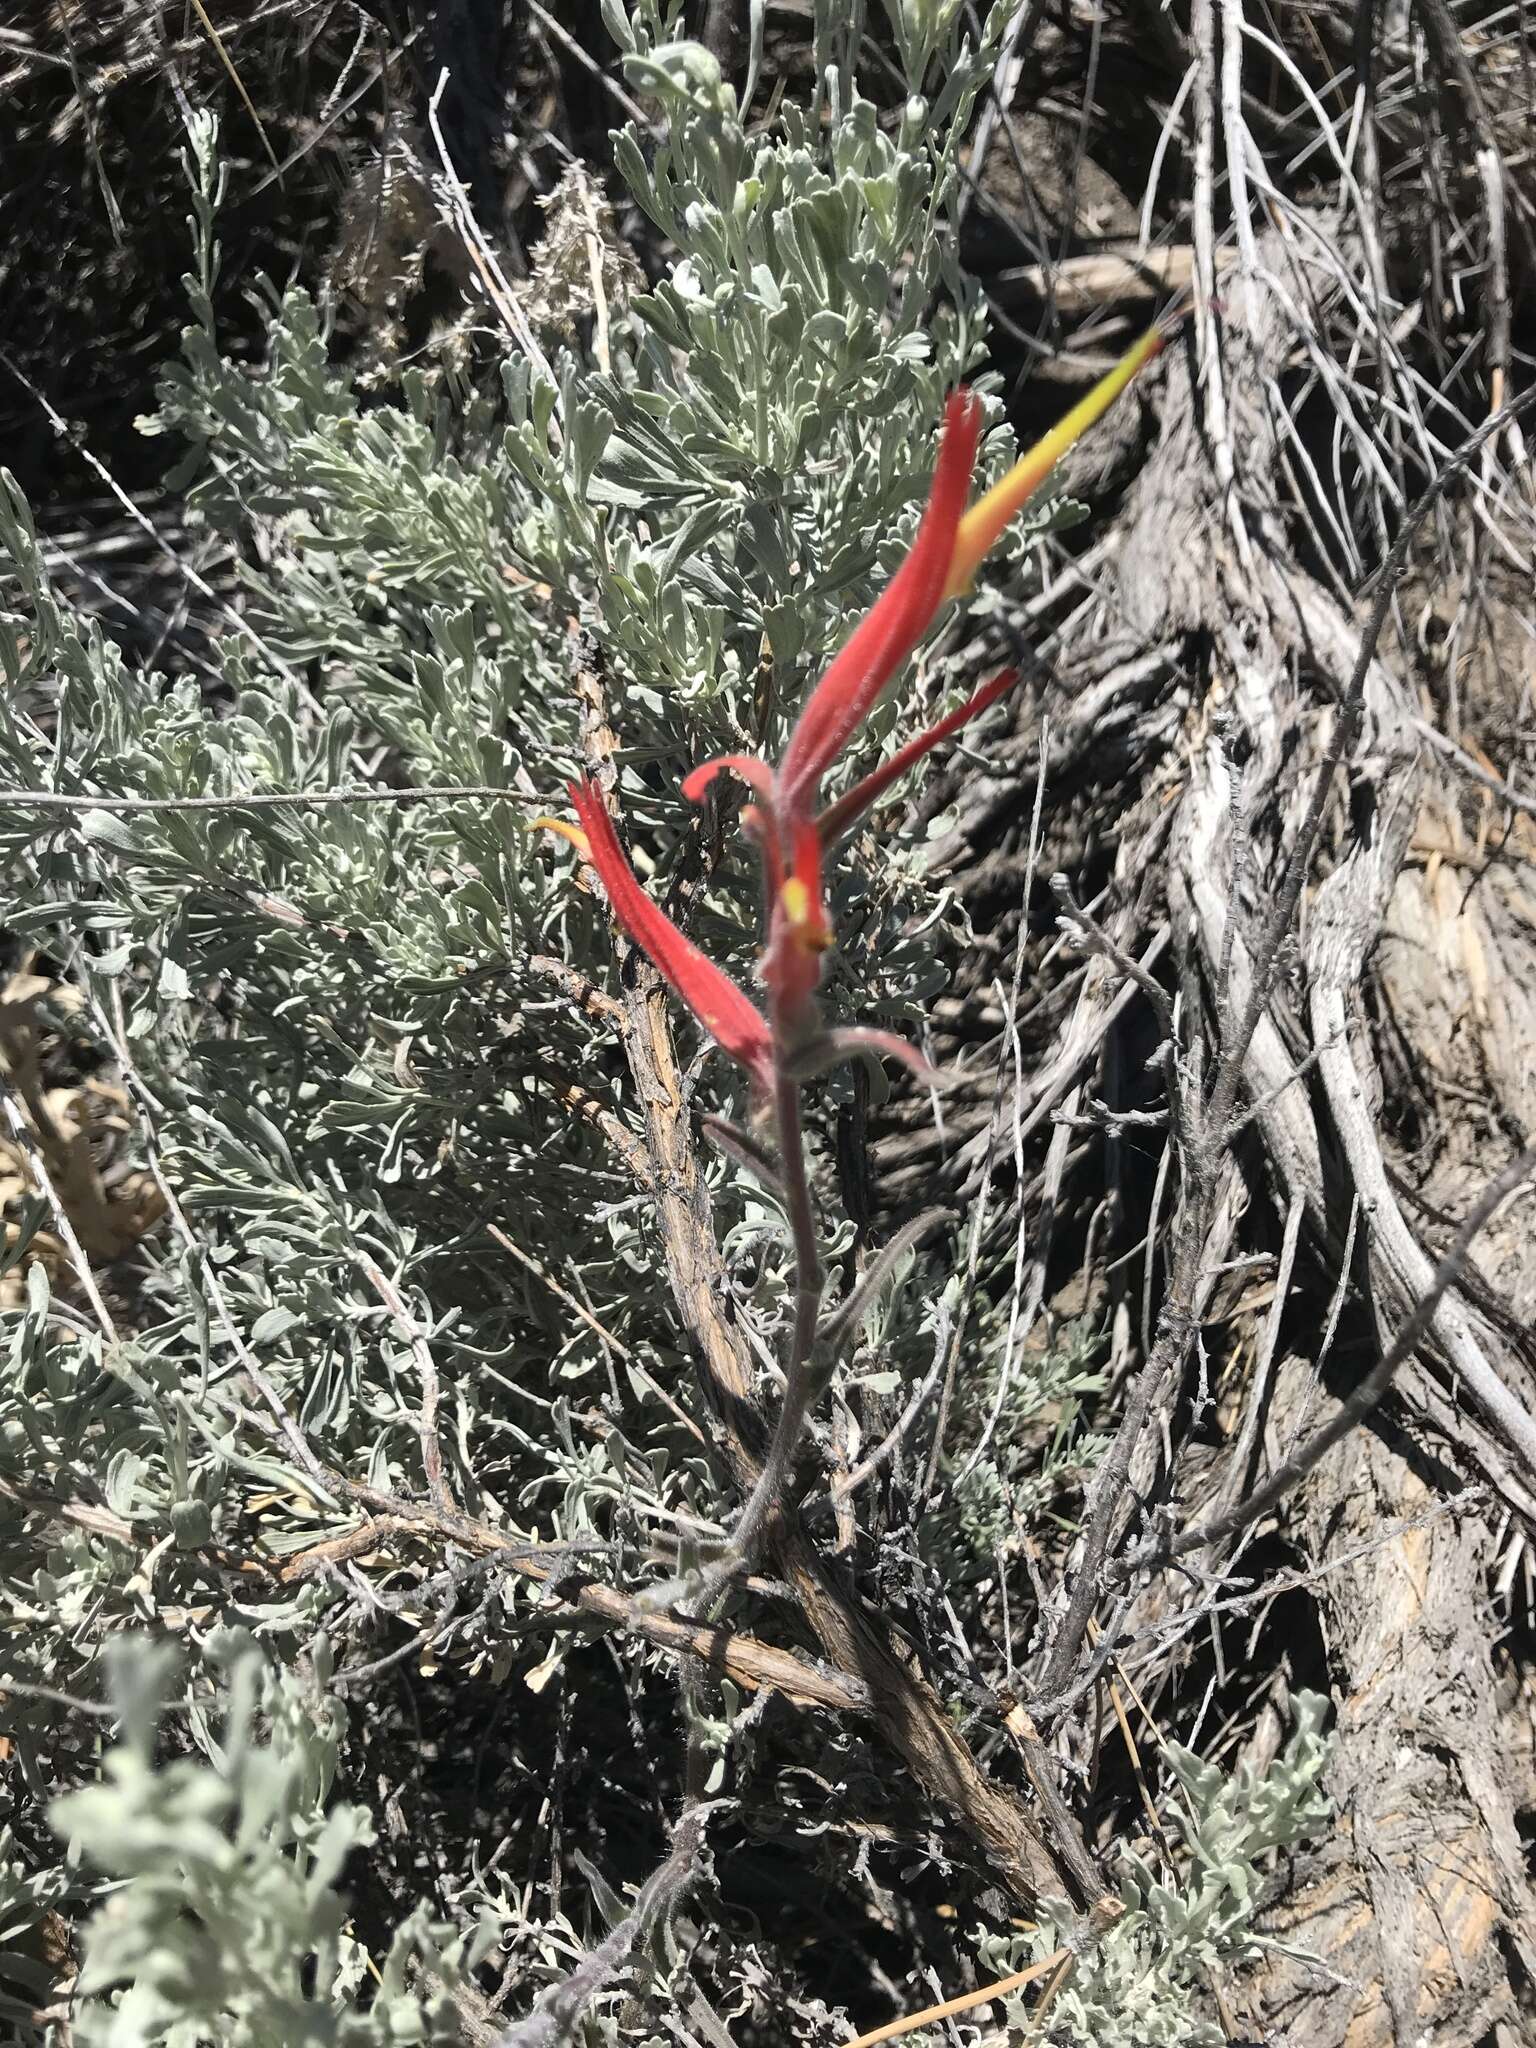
(573, 833)
(805, 917)
(982, 527)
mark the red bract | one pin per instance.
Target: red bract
(726, 1014)
(847, 693)
(843, 815)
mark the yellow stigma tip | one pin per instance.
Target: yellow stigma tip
(987, 519)
(805, 916)
(573, 833)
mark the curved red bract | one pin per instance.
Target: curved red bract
(733, 1021)
(894, 624)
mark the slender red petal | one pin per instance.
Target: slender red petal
(895, 622)
(713, 997)
(756, 774)
(843, 815)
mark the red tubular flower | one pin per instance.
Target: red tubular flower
(883, 639)
(783, 821)
(735, 1024)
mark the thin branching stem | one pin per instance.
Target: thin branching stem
(766, 1496)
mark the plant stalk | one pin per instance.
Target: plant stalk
(799, 1378)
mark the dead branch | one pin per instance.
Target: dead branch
(559, 2010)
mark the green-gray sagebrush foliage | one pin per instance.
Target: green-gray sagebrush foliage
(1144, 1984)
(342, 1051)
(226, 1923)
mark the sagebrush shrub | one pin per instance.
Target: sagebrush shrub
(345, 1039)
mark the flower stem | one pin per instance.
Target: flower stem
(799, 1377)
